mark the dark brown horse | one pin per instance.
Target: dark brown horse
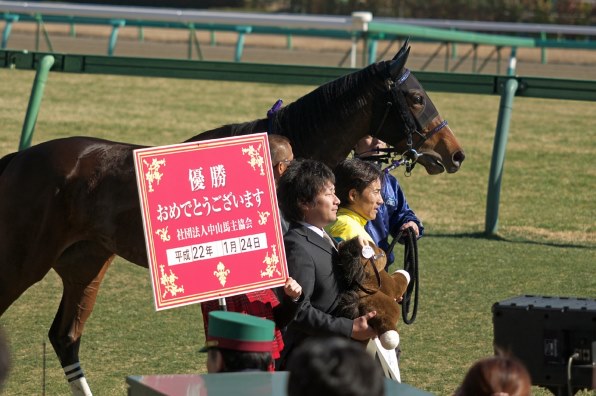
(72, 204)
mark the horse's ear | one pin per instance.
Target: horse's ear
(405, 47)
(399, 60)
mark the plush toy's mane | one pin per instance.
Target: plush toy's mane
(350, 274)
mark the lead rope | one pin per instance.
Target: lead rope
(411, 266)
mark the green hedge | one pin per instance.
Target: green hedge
(570, 12)
(567, 12)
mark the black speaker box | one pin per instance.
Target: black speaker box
(544, 333)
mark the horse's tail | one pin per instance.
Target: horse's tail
(5, 160)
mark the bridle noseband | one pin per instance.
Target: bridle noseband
(412, 124)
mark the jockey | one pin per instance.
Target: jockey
(395, 215)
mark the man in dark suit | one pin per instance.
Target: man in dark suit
(307, 200)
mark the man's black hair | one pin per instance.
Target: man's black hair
(300, 184)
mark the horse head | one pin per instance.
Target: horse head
(383, 99)
(426, 138)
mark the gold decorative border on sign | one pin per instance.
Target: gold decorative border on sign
(153, 174)
(263, 217)
(163, 234)
(256, 159)
(222, 273)
(169, 283)
(271, 262)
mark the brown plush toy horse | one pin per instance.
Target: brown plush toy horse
(368, 287)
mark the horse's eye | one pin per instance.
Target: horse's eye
(418, 99)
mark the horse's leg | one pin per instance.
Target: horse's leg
(82, 268)
(11, 287)
(19, 270)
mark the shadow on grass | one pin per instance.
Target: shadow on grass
(481, 235)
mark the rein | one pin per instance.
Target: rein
(411, 266)
(377, 275)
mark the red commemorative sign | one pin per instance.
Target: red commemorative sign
(211, 219)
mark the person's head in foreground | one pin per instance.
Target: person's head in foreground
(238, 342)
(499, 375)
(333, 367)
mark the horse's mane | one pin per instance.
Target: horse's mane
(331, 105)
(238, 129)
(328, 107)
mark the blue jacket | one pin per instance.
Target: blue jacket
(391, 215)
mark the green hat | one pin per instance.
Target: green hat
(240, 332)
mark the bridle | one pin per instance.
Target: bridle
(371, 260)
(413, 125)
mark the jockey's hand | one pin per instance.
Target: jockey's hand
(361, 331)
(292, 289)
(409, 224)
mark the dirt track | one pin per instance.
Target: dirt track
(173, 43)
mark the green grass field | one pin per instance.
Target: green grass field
(546, 243)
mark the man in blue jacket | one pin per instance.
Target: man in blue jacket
(395, 215)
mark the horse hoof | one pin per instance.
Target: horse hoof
(390, 339)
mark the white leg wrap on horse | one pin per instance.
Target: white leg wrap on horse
(76, 380)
